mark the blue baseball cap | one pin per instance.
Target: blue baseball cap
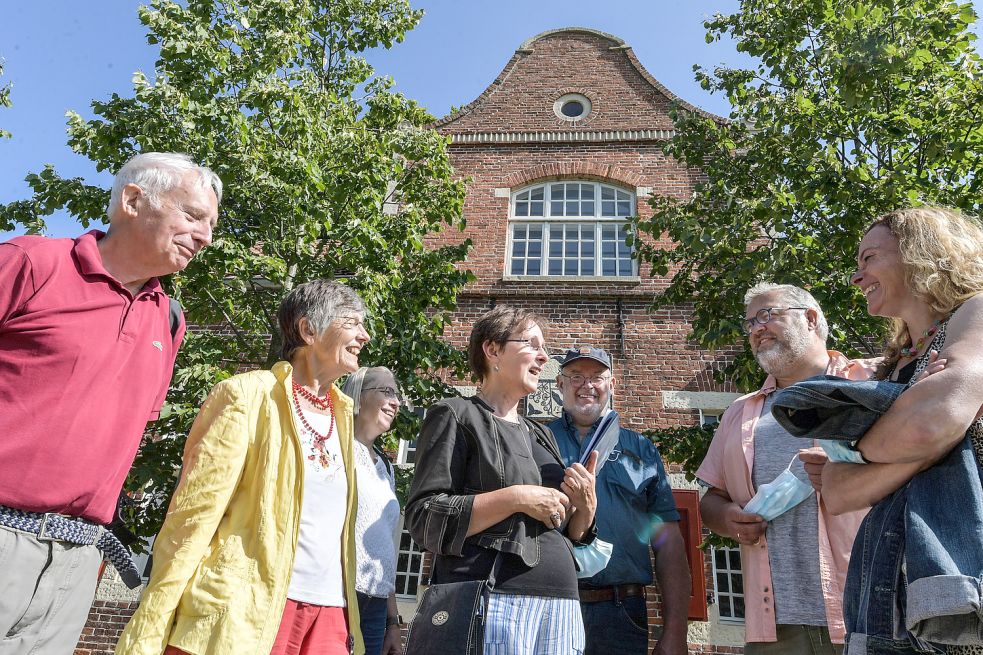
(586, 352)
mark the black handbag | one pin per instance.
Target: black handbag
(451, 618)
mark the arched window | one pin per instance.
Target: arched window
(570, 228)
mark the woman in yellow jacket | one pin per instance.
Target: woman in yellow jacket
(257, 553)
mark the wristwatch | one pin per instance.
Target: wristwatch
(393, 620)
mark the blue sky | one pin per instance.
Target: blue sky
(61, 55)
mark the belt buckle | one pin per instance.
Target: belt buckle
(42, 529)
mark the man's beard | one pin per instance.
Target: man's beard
(783, 355)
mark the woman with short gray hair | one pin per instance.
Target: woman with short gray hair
(257, 552)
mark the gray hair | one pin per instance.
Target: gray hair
(793, 295)
(353, 385)
(158, 172)
(320, 302)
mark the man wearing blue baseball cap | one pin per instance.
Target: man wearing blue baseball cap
(636, 511)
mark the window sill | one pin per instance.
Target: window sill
(627, 281)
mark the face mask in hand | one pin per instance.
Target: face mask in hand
(780, 495)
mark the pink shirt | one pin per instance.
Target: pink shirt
(728, 467)
(83, 366)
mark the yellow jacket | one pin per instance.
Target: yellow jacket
(225, 554)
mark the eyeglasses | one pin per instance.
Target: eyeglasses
(531, 345)
(764, 316)
(388, 392)
(350, 322)
(580, 380)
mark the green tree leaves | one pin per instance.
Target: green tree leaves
(851, 109)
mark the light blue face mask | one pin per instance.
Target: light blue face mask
(780, 495)
(841, 451)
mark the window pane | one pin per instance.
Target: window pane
(536, 209)
(587, 191)
(607, 208)
(587, 208)
(607, 193)
(517, 267)
(537, 193)
(556, 248)
(573, 192)
(556, 266)
(573, 208)
(570, 267)
(608, 250)
(556, 192)
(522, 196)
(735, 559)
(571, 248)
(586, 266)
(535, 249)
(522, 209)
(535, 232)
(625, 266)
(519, 231)
(533, 267)
(587, 249)
(518, 249)
(608, 268)
(624, 208)
(556, 208)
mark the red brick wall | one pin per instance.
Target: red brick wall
(104, 627)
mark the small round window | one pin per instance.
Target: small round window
(572, 107)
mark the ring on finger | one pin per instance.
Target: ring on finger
(555, 518)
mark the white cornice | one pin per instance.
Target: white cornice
(557, 137)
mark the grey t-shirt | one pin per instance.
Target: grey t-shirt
(793, 537)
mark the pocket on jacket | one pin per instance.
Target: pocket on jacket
(227, 573)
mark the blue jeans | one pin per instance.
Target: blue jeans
(616, 627)
(915, 571)
(372, 619)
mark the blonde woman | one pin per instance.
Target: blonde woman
(914, 575)
(376, 397)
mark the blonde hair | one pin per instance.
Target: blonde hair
(942, 258)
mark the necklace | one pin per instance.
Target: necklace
(319, 451)
(914, 350)
(317, 401)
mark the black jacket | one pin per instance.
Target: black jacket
(461, 453)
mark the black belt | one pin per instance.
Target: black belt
(600, 594)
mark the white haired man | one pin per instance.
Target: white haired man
(794, 566)
(88, 340)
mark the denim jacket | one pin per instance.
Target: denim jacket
(916, 569)
(462, 453)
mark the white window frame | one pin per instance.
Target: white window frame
(549, 222)
(729, 594)
(414, 553)
(710, 417)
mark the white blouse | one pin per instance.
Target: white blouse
(376, 525)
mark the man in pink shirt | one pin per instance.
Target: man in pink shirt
(87, 346)
(794, 566)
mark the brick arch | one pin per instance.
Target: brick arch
(573, 169)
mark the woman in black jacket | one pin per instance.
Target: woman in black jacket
(489, 481)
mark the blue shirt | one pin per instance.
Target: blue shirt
(633, 500)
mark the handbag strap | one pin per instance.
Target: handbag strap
(494, 569)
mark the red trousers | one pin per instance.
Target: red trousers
(306, 629)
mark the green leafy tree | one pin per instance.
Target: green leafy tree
(4, 100)
(850, 109)
(328, 174)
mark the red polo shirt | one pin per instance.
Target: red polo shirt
(83, 366)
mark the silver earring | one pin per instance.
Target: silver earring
(496, 368)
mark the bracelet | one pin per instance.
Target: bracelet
(393, 620)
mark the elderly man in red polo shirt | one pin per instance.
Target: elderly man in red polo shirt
(87, 346)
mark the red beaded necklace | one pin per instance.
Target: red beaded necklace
(317, 401)
(319, 451)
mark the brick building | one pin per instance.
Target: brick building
(561, 148)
